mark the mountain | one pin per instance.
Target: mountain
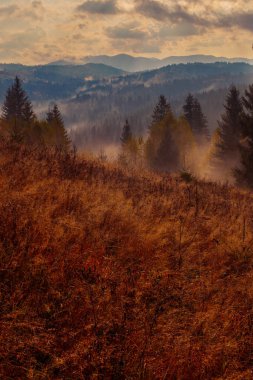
(54, 81)
(132, 64)
(202, 59)
(98, 111)
(178, 79)
(126, 62)
(61, 62)
(103, 96)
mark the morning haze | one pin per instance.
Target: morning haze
(126, 179)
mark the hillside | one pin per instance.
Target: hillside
(54, 81)
(180, 78)
(129, 63)
(134, 96)
(117, 275)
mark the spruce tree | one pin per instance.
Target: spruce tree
(56, 125)
(126, 134)
(167, 157)
(244, 174)
(17, 108)
(189, 109)
(227, 148)
(161, 149)
(200, 128)
(161, 110)
(194, 115)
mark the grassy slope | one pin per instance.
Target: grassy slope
(112, 275)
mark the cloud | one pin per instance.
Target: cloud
(240, 20)
(153, 9)
(127, 31)
(108, 7)
(245, 21)
(8, 10)
(165, 27)
(174, 13)
(183, 29)
(211, 18)
(24, 39)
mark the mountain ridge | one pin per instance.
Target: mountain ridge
(131, 63)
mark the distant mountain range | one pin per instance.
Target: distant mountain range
(129, 63)
(133, 96)
(64, 81)
(176, 79)
(54, 81)
(95, 94)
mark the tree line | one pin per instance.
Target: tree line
(171, 141)
(233, 140)
(19, 123)
(174, 143)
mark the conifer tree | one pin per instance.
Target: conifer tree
(200, 128)
(244, 174)
(167, 157)
(227, 148)
(196, 119)
(188, 109)
(126, 134)
(161, 150)
(57, 128)
(17, 107)
(161, 110)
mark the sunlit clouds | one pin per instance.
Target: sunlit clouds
(43, 30)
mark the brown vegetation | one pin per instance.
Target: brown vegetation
(109, 274)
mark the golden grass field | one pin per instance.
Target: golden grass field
(112, 274)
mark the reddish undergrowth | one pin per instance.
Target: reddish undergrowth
(109, 274)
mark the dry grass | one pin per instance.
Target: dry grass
(107, 274)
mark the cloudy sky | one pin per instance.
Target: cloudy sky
(40, 31)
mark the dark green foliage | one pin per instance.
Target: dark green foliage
(17, 107)
(244, 174)
(200, 123)
(227, 148)
(188, 109)
(19, 123)
(126, 134)
(161, 110)
(167, 154)
(196, 119)
(161, 149)
(59, 134)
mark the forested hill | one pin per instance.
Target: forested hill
(184, 77)
(54, 81)
(100, 96)
(129, 63)
(107, 104)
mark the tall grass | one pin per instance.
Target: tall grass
(110, 274)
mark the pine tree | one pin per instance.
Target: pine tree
(200, 128)
(56, 124)
(161, 110)
(17, 107)
(244, 174)
(196, 119)
(189, 109)
(227, 148)
(161, 149)
(167, 157)
(126, 134)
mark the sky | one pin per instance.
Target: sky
(41, 31)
